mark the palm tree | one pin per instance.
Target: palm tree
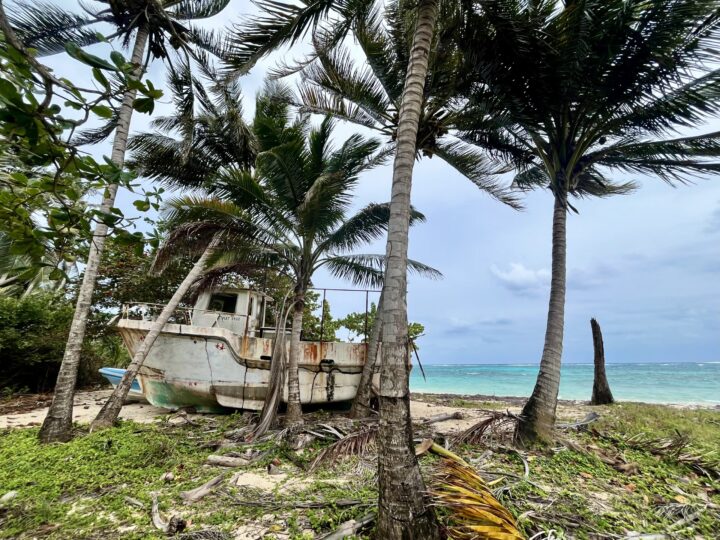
(571, 91)
(333, 83)
(108, 414)
(403, 511)
(47, 28)
(290, 212)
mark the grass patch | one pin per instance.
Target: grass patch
(78, 489)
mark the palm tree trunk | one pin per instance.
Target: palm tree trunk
(361, 403)
(111, 410)
(58, 422)
(601, 394)
(294, 409)
(538, 415)
(403, 512)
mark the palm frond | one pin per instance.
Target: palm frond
(496, 428)
(353, 444)
(367, 225)
(46, 27)
(368, 270)
(473, 510)
(198, 9)
(280, 23)
(475, 165)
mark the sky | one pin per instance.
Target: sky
(647, 265)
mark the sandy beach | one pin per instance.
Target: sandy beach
(30, 410)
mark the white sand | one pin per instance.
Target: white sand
(87, 405)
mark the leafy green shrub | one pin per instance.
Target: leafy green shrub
(33, 330)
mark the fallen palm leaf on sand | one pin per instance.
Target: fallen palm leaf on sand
(473, 511)
(498, 426)
(354, 444)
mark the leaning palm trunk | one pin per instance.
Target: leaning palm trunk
(58, 422)
(361, 403)
(110, 411)
(403, 511)
(601, 394)
(276, 384)
(538, 415)
(294, 409)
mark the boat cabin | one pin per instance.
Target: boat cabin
(242, 311)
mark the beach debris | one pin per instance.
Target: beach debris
(423, 447)
(350, 528)
(617, 461)
(472, 509)
(675, 447)
(181, 418)
(498, 426)
(167, 477)
(226, 461)
(204, 534)
(9, 496)
(589, 419)
(174, 525)
(457, 415)
(133, 501)
(198, 493)
(274, 504)
(354, 444)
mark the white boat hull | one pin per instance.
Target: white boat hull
(214, 368)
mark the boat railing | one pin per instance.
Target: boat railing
(148, 311)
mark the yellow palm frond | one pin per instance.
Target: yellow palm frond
(473, 511)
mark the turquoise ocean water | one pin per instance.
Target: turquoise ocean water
(653, 383)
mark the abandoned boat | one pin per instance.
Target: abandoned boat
(217, 355)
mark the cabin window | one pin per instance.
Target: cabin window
(223, 302)
(250, 306)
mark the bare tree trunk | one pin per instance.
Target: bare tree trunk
(361, 403)
(294, 409)
(601, 394)
(111, 409)
(58, 422)
(403, 510)
(538, 415)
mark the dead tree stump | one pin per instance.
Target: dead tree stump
(601, 394)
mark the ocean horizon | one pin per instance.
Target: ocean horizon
(653, 382)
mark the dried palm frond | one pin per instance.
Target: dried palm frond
(205, 534)
(496, 427)
(707, 464)
(670, 446)
(676, 447)
(354, 444)
(474, 512)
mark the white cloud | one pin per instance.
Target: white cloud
(522, 280)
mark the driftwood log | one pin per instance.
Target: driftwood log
(351, 527)
(174, 525)
(227, 461)
(442, 417)
(198, 493)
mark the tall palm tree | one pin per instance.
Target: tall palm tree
(571, 91)
(155, 24)
(403, 510)
(288, 212)
(368, 94)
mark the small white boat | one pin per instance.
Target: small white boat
(217, 355)
(115, 375)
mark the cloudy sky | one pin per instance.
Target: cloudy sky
(647, 266)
